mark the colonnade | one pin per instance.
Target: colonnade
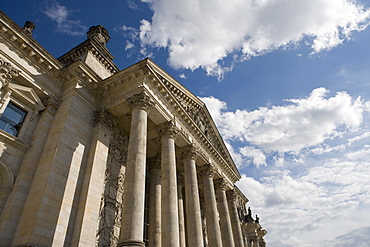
(169, 225)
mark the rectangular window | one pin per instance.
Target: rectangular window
(12, 119)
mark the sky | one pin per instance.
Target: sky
(286, 81)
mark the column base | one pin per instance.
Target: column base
(131, 242)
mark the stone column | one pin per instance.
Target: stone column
(235, 221)
(134, 196)
(225, 222)
(193, 214)
(170, 217)
(213, 226)
(154, 230)
(180, 186)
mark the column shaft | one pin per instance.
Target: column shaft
(170, 217)
(193, 214)
(226, 229)
(132, 229)
(213, 226)
(235, 221)
(181, 213)
(154, 230)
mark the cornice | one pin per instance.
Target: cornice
(99, 51)
(30, 48)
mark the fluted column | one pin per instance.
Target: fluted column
(180, 185)
(234, 217)
(133, 201)
(154, 230)
(193, 214)
(170, 218)
(226, 229)
(213, 226)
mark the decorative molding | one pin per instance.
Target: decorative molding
(141, 100)
(111, 201)
(52, 103)
(104, 117)
(98, 33)
(29, 26)
(7, 73)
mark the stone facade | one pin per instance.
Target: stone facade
(91, 155)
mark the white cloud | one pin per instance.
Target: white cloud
(203, 33)
(315, 189)
(300, 124)
(317, 208)
(61, 15)
(129, 45)
(257, 156)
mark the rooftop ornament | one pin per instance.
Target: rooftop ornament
(29, 26)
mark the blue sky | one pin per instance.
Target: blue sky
(286, 81)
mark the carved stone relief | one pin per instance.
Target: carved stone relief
(7, 73)
(111, 202)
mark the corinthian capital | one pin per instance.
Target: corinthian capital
(104, 117)
(191, 151)
(231, 195)
(168, 129)
(7, 73)
(141, 100)
(220, 184)
(207, 171)
(52, 103)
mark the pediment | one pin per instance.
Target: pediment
(27, 94)
(196, 110)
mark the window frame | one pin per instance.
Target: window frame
(26, 99)
(22, 113)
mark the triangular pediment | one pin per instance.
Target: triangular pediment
(27, 94)
(196, 110)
